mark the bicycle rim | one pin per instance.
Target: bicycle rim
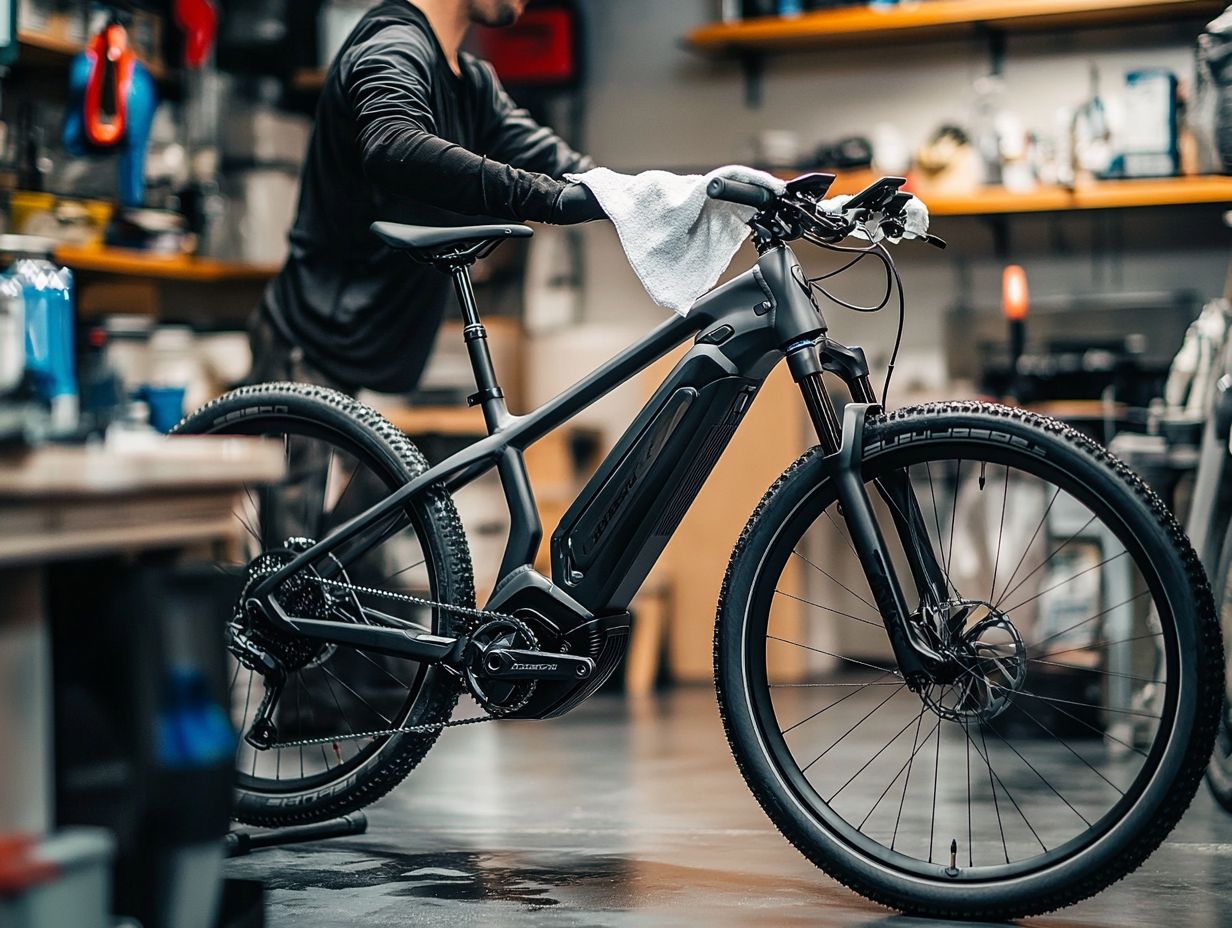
(340, 690)
(940, 787)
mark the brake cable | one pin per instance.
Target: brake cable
(893, 283)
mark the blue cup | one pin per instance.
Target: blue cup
(166, 406)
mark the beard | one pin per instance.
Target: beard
(496, 13)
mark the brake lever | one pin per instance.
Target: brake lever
(936, 241)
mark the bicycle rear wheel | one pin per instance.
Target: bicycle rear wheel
(1073, 736)
(342, 457)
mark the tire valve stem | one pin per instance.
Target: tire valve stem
(952, 869)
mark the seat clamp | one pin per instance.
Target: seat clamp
(491, 393)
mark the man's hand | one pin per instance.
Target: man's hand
(576, 204)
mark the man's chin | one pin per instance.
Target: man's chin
(505, 13)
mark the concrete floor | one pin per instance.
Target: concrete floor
(623, 815)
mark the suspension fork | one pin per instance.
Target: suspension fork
(843, 446)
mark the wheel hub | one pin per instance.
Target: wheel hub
(256, 641)
(987, 665)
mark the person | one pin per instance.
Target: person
(409, 129)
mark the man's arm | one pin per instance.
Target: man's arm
(388, 83)
(514, 137)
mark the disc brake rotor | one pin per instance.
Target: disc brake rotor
(992, 667)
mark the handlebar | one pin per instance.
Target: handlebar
(797, 214)
(735, 191)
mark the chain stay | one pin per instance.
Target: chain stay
(466, 611)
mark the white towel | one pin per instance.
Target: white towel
(677, 239)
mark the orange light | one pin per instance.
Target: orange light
(1015, 294)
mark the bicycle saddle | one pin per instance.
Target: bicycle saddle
(428, 240)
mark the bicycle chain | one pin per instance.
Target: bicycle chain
(427, 728)
(478, 614)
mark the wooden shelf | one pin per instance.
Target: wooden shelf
(928, 20)
(308, 80)
(1118, 194)
(124, 263)
(47, 48)
(1110, 194)
(50, 51)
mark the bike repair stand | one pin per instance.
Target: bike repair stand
(241, 843)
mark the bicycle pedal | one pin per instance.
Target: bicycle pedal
(515, 664)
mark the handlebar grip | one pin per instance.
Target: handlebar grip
(735, 191)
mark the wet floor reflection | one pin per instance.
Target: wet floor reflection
(622, 816)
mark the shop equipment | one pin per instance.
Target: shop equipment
(112, 99)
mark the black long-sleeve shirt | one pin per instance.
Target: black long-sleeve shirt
(400, 137)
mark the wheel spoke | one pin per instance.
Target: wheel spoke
(341, 496)
(1027, 550)
(841, 657)
(907, 781)
(932, 828)
(915, 541)
(1092, 618)
(914, 750)
(1102, 673)
(1095, 770)
(1043, 778)
(244, 721)
(868, 762)
(1005, 594)
(1005, 492)
(805, 685)
(949, 559)
(1096, 645)
(836, 702)
(337, 705)
(834, 579)
(399, 573)
(840, 738)
(1083, 705)
(1107, 560)
(845, 615)
(384, 718)
(932, 493)
(382, 669)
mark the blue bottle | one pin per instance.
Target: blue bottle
(790, 7)
(50, 338)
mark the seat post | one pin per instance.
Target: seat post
(489, 395)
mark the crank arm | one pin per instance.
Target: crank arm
(914, 656)
(513, 664)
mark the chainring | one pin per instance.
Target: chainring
(498, 697)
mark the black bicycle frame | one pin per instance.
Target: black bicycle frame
(614, 532)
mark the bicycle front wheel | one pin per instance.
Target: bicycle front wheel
(1075, 731)
(1219, 771)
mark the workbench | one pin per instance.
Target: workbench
(62, 504)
